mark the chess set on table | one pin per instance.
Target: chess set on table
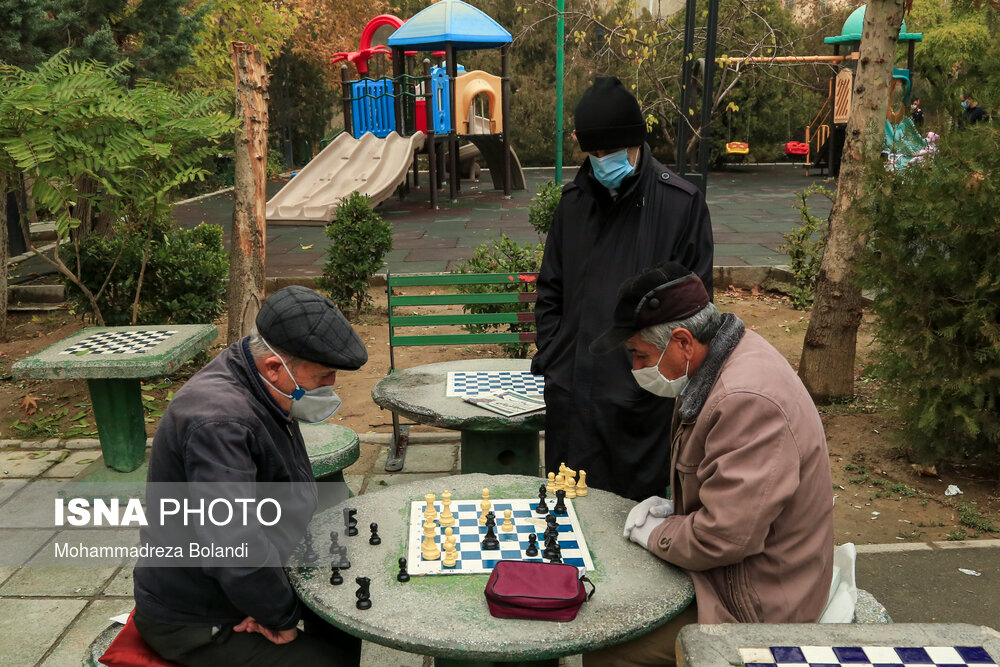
(865, 656)
(467, 384)
(459, 544)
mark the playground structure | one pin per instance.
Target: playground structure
(825, 134)
(389, 119)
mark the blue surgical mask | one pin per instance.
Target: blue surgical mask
(965, 105)
(311, 406)
(612, 169)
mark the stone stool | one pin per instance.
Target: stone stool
(869, 610)
(331, 448)
(100, 645)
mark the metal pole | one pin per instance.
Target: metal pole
(505, 107)
(345, 86)
(452, 136)
(560, 48)
(705, 144)
(432, 170)
(398, 81)
(687, 65)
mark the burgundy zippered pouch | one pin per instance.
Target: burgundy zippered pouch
(536, 590)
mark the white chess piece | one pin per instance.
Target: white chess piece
(508, 525)
(447, 518)
(428, 549)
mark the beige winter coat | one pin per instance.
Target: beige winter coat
(751, 483)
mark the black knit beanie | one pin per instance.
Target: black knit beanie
(608, 117)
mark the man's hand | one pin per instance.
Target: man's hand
(248, 624)
(655, 506)
(640, 534)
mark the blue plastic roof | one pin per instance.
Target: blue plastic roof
(454, 21)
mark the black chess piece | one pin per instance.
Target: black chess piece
(560, 507)
(490, 541)
(334, 544)
(551, 526)
(403, 575)
(541, 508)
(310, 556)
(556, 553)
(350, 522)
(363, 593)
(335, 578)
(532, 549)
(552, 549)
(344, 562)
(491, 519)
(374, 539)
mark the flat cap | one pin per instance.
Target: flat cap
(308, 326)
(667, 292)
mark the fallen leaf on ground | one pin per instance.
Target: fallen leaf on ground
(29, 404)
(306, 247)
(926, 471)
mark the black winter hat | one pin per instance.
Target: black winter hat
(308, 326)
(667, 292)
(608, 117)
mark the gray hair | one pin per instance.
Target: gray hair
(703, 325)
(259, 349)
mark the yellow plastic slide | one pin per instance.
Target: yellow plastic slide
(368, 165)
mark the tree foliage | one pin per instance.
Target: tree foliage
(155, 36)
(934, 268)
(73, 120)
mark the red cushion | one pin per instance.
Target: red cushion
(129, 649)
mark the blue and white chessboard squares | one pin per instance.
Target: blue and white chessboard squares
(867, 656)
(466, 384)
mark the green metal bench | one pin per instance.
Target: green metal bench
(515, 303)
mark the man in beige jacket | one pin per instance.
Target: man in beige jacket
(751, 513)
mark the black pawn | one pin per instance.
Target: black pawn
(541, 508)
(403, 575)
(335, 578)
(560, 507)
(363, 593)
(551, 552)
(556, 554)
(374, 539)
(334, 545)
(532, 549)
(350, 522)
(310, 556)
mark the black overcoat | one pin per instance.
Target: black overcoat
(597, 417)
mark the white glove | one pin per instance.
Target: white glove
(640, 534)
(637, 515)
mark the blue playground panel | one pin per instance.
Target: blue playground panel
(372, 107)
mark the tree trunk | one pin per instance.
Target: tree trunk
(246, 253)
(3, 255)
(828, 354)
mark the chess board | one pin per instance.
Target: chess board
(118, 342)
(475, 383)
(867, 656)
(472, 559)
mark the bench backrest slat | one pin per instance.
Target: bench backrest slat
(493, 294)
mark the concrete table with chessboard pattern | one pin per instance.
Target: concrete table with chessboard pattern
(112, 360)
(447, 616)
(491, 443)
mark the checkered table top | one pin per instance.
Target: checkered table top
(476, 383)
(867, 656)
(119, 342)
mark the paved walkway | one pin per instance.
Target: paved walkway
(751, 208)
(49, 615)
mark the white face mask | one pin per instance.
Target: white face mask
(651, 379)
(313, 406)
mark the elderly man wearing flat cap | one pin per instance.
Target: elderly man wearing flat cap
(236, 421)
(751, 513)
(623, 212)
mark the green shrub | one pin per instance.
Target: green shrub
(934, 271)
(184, 281)
(543, 205)
(360, 240)
(503, 256)
(804, 246)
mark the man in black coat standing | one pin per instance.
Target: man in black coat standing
(623, 213)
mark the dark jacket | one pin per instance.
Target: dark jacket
(597, 417)
(223, 426)
(973, 115)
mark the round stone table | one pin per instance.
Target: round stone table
(446, 615)
(491, 443)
